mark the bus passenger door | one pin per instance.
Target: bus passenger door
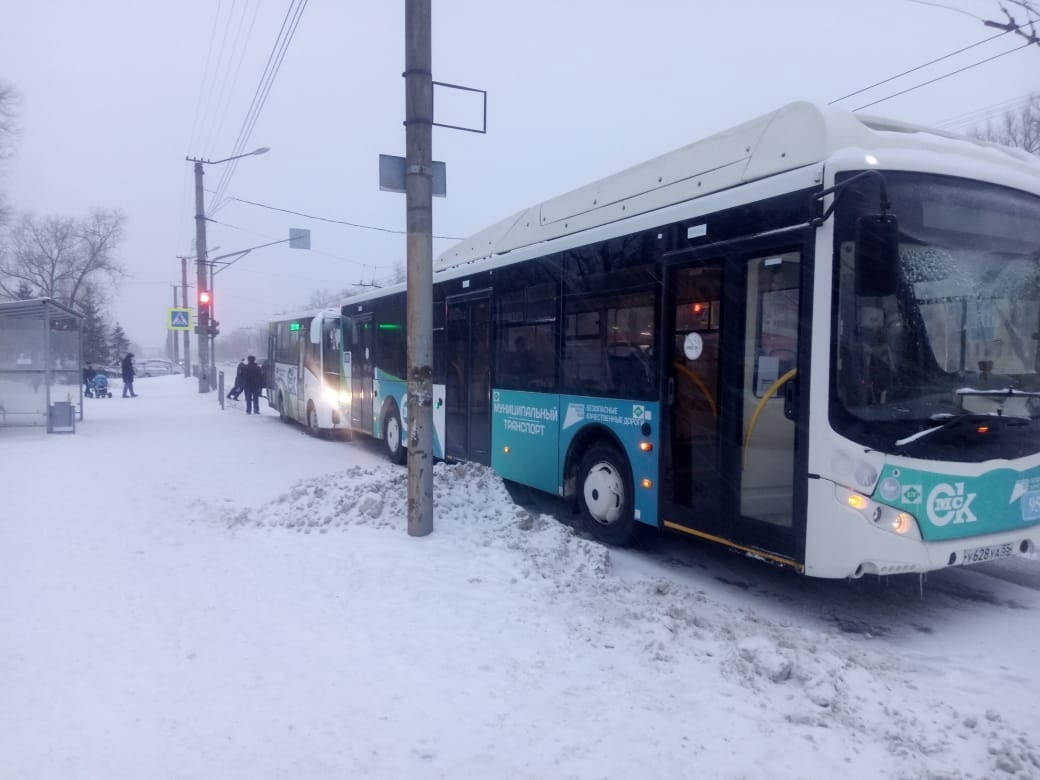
(771, 312)
(467, 395)
(695, 300)
(360, 351)
(730, 462)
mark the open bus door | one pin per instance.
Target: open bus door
(733, 470)
(357, 359)
(467, 395)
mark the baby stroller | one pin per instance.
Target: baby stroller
(99, 387)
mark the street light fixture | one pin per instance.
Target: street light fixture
(205, 381)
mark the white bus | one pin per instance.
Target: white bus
(812, 338)
(304, 369)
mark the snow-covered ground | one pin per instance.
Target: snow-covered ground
(196, 593)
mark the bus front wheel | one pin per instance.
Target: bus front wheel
(312, 420)
(605, 495)
(392, 437)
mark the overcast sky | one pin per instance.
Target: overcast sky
(117, 92)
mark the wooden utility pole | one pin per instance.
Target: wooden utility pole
(418, 98)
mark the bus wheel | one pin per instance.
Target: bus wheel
(312, 420)
(605, 495)
(281, 408)
(392, 437)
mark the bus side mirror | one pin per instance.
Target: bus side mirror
(877, 255)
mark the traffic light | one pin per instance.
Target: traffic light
(214, 328)
(205, 301)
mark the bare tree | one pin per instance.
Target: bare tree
(9, 130)
(9, 135)
(1018, 127)
(56, 257)
(323, 299)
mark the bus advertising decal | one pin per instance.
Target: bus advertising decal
(949, 507)
(606, 413)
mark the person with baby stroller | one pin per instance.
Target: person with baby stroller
(99, 386)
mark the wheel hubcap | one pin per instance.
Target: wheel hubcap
(393, 434)
(604, 493)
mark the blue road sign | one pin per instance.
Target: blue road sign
(179, 319)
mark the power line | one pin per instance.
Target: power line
(944, 76)
(274, 63)
(227, 87)
(205, 77)
(315, 251)
(919, 67)
(983, 114)
(336, 221)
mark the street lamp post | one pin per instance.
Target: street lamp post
(202, 320)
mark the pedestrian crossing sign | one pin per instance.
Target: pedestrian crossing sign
(179, 319)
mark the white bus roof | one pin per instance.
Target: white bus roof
(791, 137)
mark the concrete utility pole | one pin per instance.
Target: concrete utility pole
(418, 98)
(184, 303)
(202, 319)
(205, 374)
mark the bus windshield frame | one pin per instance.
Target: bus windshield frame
(947, 327)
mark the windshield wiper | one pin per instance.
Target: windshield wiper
(1006, 392)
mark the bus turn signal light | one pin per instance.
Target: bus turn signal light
(646, 446)
(856, 501)
(648, 483)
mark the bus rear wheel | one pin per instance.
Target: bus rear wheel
(395, 450)
(605, 495)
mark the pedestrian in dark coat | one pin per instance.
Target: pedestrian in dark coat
(236, 391)
(252, 384)
(127, 367)
(88, 378)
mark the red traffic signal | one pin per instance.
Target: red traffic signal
(205, 298)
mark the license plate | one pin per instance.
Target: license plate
(991, 553)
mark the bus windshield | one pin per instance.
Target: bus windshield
(952, 329)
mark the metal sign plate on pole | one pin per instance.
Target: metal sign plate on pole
(393, 175)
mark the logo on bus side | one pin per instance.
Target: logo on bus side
(948, 503)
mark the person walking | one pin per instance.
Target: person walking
(88, 379)
(127, 367)
(252, 382)
(236, 391)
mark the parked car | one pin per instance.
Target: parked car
(155, 367)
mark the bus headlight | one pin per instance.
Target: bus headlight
(330, 395)
(880, 515)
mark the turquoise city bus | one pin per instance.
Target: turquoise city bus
(812, 338)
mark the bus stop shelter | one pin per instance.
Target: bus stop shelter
(40, 365)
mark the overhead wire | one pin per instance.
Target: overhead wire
(218, 81)
(919, 67)
(227, 85)
(274, 61)
(944, 76)
(315, 251)
(205, 77)
(335, 221)
(983, 114)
